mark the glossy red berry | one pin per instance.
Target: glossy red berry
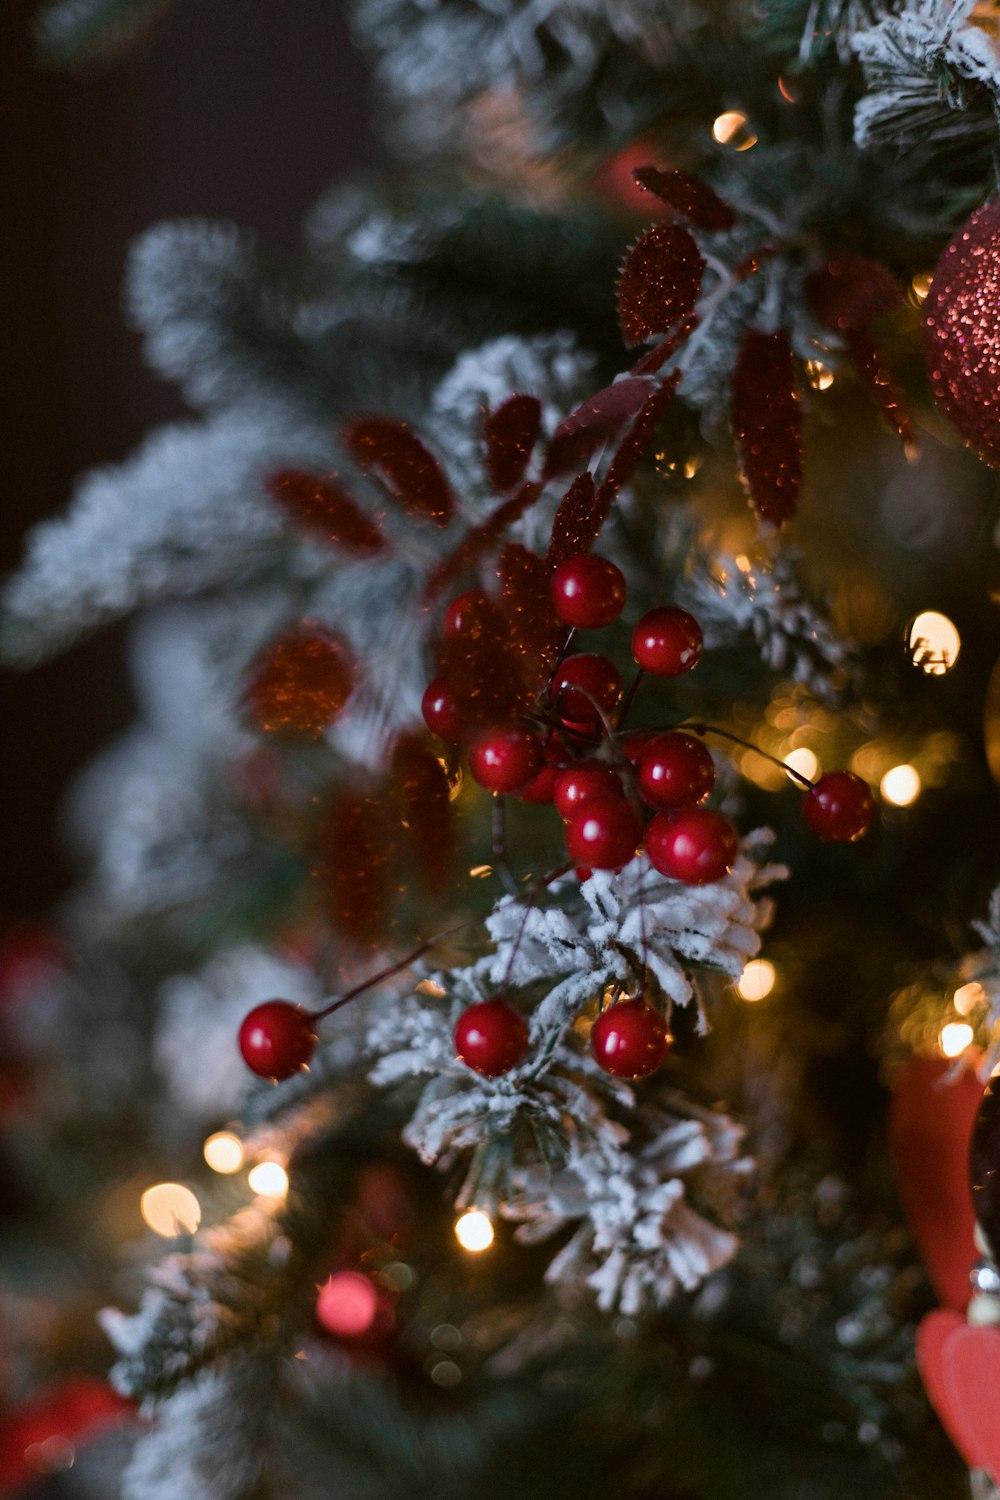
(277, 1039)
(604, 834)
(505, 760)
(840, 807)
(629, 1039)
(633, 745)
(441, 712)
(676, 770)
(583, 684)
(697, 846)
(491, 1037)
(464, 613)
(581, 782)
(588, 591)
(541, 789)
(667, 642)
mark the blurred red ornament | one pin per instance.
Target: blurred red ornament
(300, 683)
(958, 1362)
(31, 954)
(839, 808)
(350, 1306)
(355, 858)
(961, 319)
(39, 1436)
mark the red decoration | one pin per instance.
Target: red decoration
(321, 507)
(588, 592)
(851, 291)
(40, 1435)
(659, 282)
(542, 788)
(410, 471)
(689, 198)
(277, 1039)
(839, 808)
(961, 318)
(505, 760)
(930, 1127)
(510, 434)
(629, 1040)
(634, 444)
(467, 613)
(593, 422)
(581, 783)
(439, 707)
(768, 424)
(350, 1306)
(31, 954)
(584, 686)
(697, 846)
(300, 683)
(958, 1363)
(633, 745)
(491, 1038)
(604, 834)
(577, 523)
(427, 826)
(676, 770)
(667, 642)
(355, 857)
(480, 541)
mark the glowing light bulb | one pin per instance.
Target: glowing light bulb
(170, 1210)
(268, 1179)
(934, 643)
(955, 1037)
(757, 980)
(474, 1231)
(819, 375)
(967, 997)
(920, 286)
(900, 785)
(347, 1305)
(731, 129)
(224, 1152)
(803, 760)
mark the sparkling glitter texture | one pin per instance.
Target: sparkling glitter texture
(767, 422)
(659, 283)
(300, 682)
(689, 198)
(961, 317)
(322, 508)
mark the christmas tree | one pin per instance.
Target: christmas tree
(536, 964)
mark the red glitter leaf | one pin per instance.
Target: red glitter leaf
(768, 424)
(354, 863)
(659, 282)
(850, 291)
(427, 825)
(527, 603)
(691, 199)
(592, 423)
(411, 472)
(576, 526)
(511, 433)
(322, 508)
(480, 541)
(483, 668)
(634, 444)
(865, 358)
(299, 683)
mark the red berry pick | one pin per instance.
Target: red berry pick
(604, 834)
(300, 682)
(629, 1040)
(667, 642)
(583, 685)
(581, 783)
(277, 1039)
(588, 591)
(491, 1037)
(441, 712)
(697, 846)
(676, 770)
(839, 808)
(505, 760)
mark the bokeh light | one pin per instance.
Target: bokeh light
(805, 761)
(474, 1231)
(954, 1037)
(224, 1152)
(934, 643)
(731, 129)
(268, 1179)
(967, 997)
(757, 980)
(900, 785)
(347, 1305)
(170, 1209)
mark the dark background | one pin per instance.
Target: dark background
(238, 109)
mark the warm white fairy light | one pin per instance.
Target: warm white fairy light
(170, 1209)
(268, 1179)
(954, 1037)
(934, 643)
(900, 785)
(803, 760)
(967, 997)
(920, 286)
(474, 1231)
(819, 375)
(731, 129)
(757, 980)
(224, 1152)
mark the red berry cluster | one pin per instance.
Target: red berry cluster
(628, 1040)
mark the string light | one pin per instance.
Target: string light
(934, 643)
(170, 1210)
(805, 761)
(967, 997)
(757, 980)
(224, 1152)
(731, 129)
(901, 785)
(474, 1231)
(955, 1037)
(268, 1179)
(819, 375)
(920, 286)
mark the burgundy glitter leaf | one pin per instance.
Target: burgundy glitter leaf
(592, 423)
(659, 282)
(324, 509)
(691, 199)
(354, 864)
(483, 666)
(656, 358)
(511, 433)
(527, 603)
(865, 358)
(576, 527)
(300, 682)
(768, 424)
(635, 443)
(427, 824)
(410, 470)
(480, 541)
(850, 291)
(962, 331)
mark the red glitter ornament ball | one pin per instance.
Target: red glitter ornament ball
(961, 320)
(505, 760)
(277, 1039)
(839, 808)
(676, 770)
(667, 642)
(441, 711)
(491, 1037)
(588, 591)
(629, 1040)
(697, 846)
(300, 682)
(581, 783)
(604, 834)
(583, 684)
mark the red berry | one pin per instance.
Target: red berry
(840, 807)
(581, 685)
(541, 789)
(697, 846)
(629, 1040)
(604, 834)
(441, 712)
(676, 770)
(491, 1037)
(277, 1039)
(581, 783)
(633, 744)
(465, 612)
(505, 760)
(588, 591)
(667, 642)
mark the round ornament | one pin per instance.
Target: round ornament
(491, 1037)
(277, 1039)
(961, 319)
(629, 1040)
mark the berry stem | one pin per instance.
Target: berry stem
(775, 760)
(629, 699)
(498, 839)
(571, 632)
